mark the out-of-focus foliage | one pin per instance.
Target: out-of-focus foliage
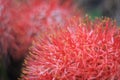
(96, 8)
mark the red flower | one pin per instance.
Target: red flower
(21, 22)
(80, 50)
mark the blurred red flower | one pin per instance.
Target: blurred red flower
(22, 20)
(81, 49)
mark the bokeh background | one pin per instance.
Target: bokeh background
(93, 8)
(98, 8)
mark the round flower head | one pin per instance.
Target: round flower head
(81, 50)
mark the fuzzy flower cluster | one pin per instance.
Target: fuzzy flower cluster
(81, 50)
(22, 20)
